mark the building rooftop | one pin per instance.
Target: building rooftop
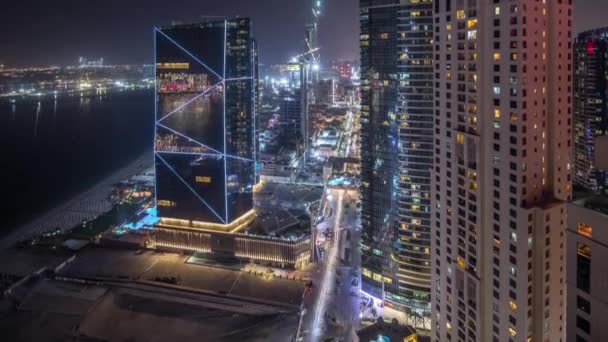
(590, 200)
(384, 331)
(281, 223)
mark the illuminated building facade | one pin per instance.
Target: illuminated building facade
(205, 102)
(292, 112)
(503, 108)
(294, 104)
(257, 104)
(294, 253)
(411, 253)
(590, 109)
(379, 136)
(586, 251)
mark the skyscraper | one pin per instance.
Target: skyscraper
(291, 110)
(590, 110)
(294, 104)
(204, 141)
(397, 153)
(257, 128)
(502, 169)
(379, 137)
(412, 255)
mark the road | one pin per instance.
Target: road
(331, 310)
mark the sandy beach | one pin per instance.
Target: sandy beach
(84, 206)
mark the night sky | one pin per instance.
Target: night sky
(42, 32)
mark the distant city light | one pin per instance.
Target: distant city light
(315, 67)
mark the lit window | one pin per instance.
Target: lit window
(497, 10)
(366, 273)
(496, 56)
(460, 14)
(472, 23)
(512, 305)
(512, 332)
(583, 250)
(461, 263)
(584, 229)
(384, 35)
(496, 113)
(460, 138)
(496, 90)
(377, 277)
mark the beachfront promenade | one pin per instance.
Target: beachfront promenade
(84, 206)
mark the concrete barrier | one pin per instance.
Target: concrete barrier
(65, 263)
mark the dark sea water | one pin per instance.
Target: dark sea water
(53, 149)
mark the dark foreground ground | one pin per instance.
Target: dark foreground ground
(115, 295)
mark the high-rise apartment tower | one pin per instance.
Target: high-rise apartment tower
(503, 108)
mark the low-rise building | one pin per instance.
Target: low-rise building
(586, 276)
(382, 331)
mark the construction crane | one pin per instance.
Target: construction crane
(312, 31)
(310, 51)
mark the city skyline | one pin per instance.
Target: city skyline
(121, 32)
(122, 36)
(403, 170)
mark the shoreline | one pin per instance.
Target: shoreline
(85, 205)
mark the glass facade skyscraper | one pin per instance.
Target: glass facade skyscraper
(205, 102)
(379, 137)
(590, 110)
(412, 253)
(397, 153)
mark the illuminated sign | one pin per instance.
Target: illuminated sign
(173, 66)
(293, 67)
(590, 47)
(203, 179)
(165, 203)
